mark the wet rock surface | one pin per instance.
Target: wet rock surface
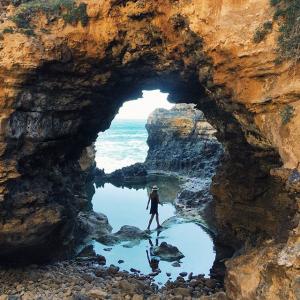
(85, 279)
(167, 252)
(126, 233)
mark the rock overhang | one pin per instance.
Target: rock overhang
(60, 87)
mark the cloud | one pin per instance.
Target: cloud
(143, 107)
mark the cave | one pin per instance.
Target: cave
(154, 143)
(63, 85)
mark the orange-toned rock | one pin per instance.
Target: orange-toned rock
(63, 78)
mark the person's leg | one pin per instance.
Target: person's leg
(150, 221)
(157, 220)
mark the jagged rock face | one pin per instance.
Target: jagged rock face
(182, 141)
(63, 84)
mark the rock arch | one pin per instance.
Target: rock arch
(62, 85)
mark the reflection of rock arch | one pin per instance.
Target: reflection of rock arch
(60, 88)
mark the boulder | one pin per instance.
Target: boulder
(108, 240)
(97, 294)
(87, 251)
(95, 224)
(128, 233)
(133, 173)
(168, 252)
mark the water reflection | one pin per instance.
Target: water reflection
(153, 260)
(127, 206)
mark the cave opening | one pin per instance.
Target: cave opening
(50, 196)
(153, 142)
(55, 121)
(125, 142)
(61, 131)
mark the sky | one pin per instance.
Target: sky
(143, 107)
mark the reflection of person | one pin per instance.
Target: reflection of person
(154, 198)
(152, 259)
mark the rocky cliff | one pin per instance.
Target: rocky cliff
(182, 141)
(67, 66)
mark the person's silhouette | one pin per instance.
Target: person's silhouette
(152, 259)
(154, 199)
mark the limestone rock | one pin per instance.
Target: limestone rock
(128, 233)
(62, 83)
(168, 252)
(87, 158)
(97, 294)
(96, 224)
(181, 140)
(134, 173)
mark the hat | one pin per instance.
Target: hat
(155, 188)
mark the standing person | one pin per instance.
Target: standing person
(154, 198)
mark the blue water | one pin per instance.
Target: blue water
(123, 144)
(124, 206)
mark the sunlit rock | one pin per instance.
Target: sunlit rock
(61, 83)
(181, 140)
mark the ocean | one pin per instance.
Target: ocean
(123, 144)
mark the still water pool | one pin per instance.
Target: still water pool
(127, 206)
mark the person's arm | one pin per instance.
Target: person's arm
(148, 203)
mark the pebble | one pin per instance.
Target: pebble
(88, 277)
(113, 269)
(107, 249)
(121, 261)
(176, 264)
(82, 280)
(101, 259)
(137, 297)
(211, 283)
(97, 294)
(135, 270)
(182, 292)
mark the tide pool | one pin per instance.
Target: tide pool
(125, 206)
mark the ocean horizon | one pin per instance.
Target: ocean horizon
(123, 144)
